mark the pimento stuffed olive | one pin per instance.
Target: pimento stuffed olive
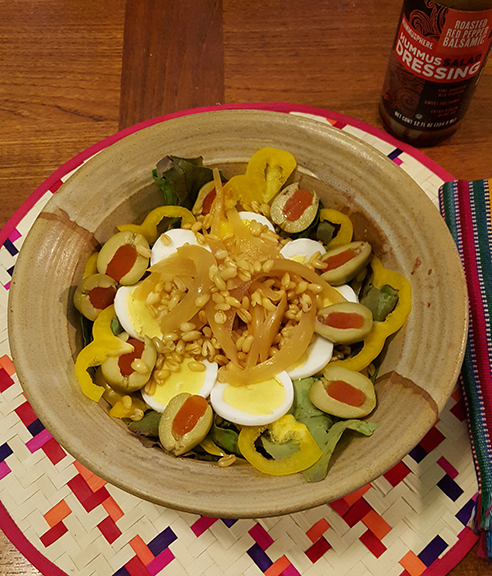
(344, 322)
(124, 257)
(130, 372)
(294, 209)
(95, 293)
(343, 393)
(185, 423)
(342, 264)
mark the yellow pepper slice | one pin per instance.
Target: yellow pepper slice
(133, 409)
(284, 429)
(374, 341)
(212, 448)
(105, 344)
(148, 228)
(346, 231)
(267, 171)
(91, 265)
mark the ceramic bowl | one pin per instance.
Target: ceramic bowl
(421, 362)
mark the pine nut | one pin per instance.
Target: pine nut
(143, 250)
(301, 287)
(244, 315)
(140, 366)
(202, 300)
(152, 298)
(221, 254)
(197, 366)
(127, 402)
(219, 282)
(165, 239)
(246, 346)
(220, 317)
(228, 273)
(162, 375)
(191, 336)
(234, 302)
(150, 388)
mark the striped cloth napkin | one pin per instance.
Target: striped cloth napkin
(466, 208)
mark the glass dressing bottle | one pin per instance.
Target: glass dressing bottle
(438, 55)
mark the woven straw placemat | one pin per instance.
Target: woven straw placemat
(411, 521)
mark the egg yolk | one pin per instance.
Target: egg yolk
(184, 380)
(140, 317)
(256, 399)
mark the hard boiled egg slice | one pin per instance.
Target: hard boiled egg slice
(302, 249)
(247, 217)
(179, 237)
(184, 380)
(347, 292)
(255, 404)
(316, 357)
(134, 315)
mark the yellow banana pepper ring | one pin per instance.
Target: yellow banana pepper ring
(267, 171)
(105, 344)
(91, 265)
(284, 429)
(346, 231)
(374, 341)
(148, 228)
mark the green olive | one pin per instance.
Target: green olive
(294, 209)
(130, 372)
(344, 322)
(124, 257)
(185, 423)
(345, 262)
(95, 293)
(343, 393)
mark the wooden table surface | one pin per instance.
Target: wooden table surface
(74, 73)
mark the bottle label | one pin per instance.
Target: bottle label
(435, 64)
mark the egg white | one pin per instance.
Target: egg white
(179, 237)
(133, 314)
(258, 396)
(249, 216)
(347, 292)
(316, 357)
(184, 380)
(301, 249)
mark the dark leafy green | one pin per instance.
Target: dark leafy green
(325, 232)
(116, 327)
(225, 436)
(86, 330)
(148, 426)
(379, 301)
(323, 429)
(278, 450)
(318, 471)
(180, 179)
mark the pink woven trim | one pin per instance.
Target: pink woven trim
(14, 534)
(444, 565)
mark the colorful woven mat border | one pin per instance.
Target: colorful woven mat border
(411, 521)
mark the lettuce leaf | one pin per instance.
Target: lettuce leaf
(180, 179)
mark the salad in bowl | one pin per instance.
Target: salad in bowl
(240, 320)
